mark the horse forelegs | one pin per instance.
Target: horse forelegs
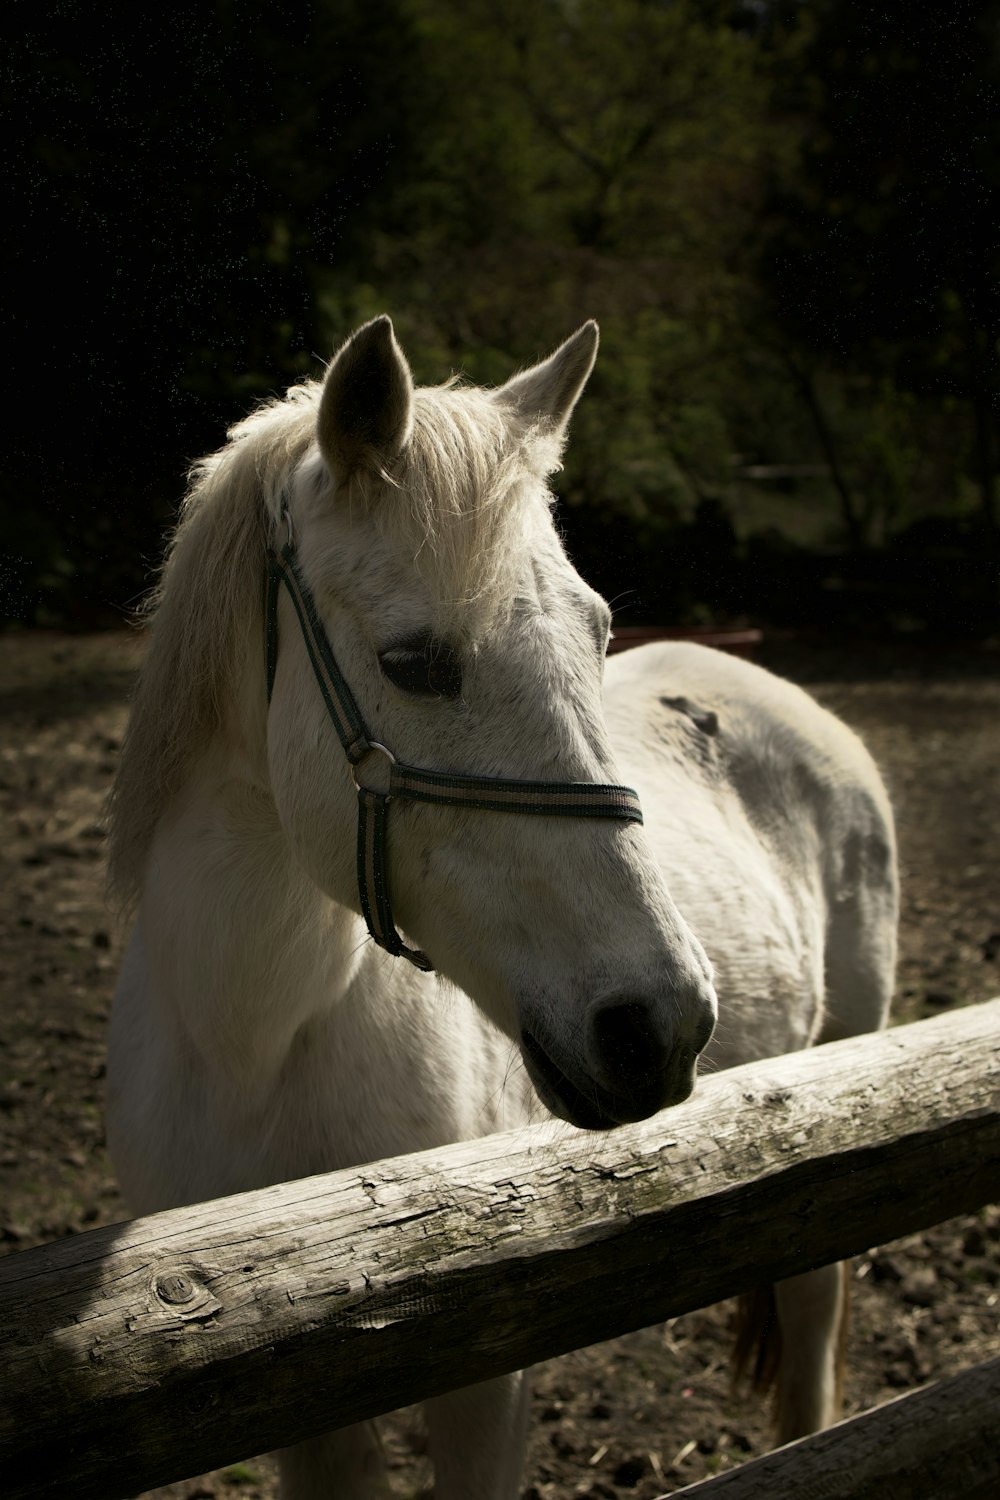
(478, 1440)
(812, 1314)
(343, 1465)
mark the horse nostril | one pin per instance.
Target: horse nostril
(627, 1046)
(703, 1033)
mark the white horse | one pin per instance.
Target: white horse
(258, 1034)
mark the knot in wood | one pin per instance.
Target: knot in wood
(174, 1287)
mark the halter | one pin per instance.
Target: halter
(561, 799)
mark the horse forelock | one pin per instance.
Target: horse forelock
(459, 502)
(462, 499)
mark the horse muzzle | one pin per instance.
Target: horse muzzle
(633, 1062)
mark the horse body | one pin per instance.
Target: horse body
(775, 835)
(258, 1036)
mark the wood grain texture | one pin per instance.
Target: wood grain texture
(176, 1343)
(939, 1443)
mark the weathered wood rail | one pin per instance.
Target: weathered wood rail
(159, 1348)
(939, 1443)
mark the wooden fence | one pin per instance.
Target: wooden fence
(159, 1348)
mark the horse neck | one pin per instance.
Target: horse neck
(243, 948)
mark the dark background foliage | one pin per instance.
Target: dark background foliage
(784, 216)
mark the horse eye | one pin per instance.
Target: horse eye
(430, 671)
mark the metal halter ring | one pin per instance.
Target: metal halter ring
(373, 745)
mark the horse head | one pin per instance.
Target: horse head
(426, 550)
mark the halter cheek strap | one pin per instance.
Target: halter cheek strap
(563, 799)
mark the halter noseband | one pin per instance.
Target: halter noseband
(563, 799)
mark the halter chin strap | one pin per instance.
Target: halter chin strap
(562, 799)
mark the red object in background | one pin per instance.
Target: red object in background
(741, 642)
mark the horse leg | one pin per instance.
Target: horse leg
(478, 1437)
(343, 1465)
(812, 1309)
(812, 1312)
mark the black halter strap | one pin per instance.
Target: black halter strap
(563, 799)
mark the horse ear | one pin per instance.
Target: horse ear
(365, 412)
(549, 391)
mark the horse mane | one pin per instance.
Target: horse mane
(207, 603)
(467, 453)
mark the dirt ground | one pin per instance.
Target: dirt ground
(644, 1414)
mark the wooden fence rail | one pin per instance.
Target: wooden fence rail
(156, 1349)
(939, 1443)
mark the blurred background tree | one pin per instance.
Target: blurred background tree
(782, 214)
(886, 251)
